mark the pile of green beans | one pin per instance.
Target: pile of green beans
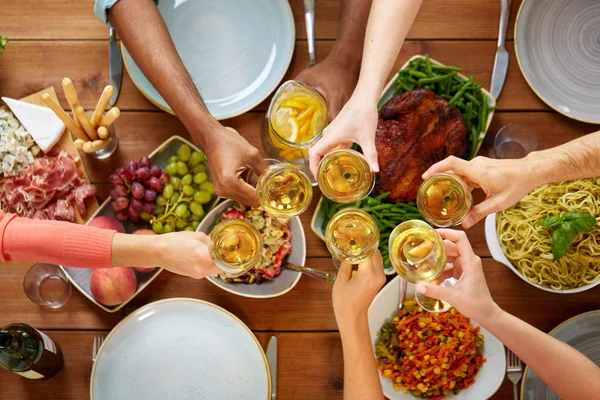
(387, 216)
(464, 94)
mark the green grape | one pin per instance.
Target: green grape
(196, 208)
(181, 209)
(168, 191)
(161, 200)
(187, 190)
(195, 225)
(157, 227)
(200, 177)
(182, 168)
(160, 210)
(175, 197)
(195, 218)
(175, 181)
(199, 168)
(189, 229)
(168, 228)
(186, 180)
(202, 196)
(184, 152)
(145, 216)
(180, 224)
(196, 158)
(187, 214)
(173, 159)
(208, 186)
(171, 169)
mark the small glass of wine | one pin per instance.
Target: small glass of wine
(352, 236)
(417, 253)
(344, 176)
(444, 200)
(236, 247)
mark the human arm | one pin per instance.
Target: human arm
(144, 33)
(388, 25)
(559, 365)
(336, 76)
(505, 182)
(353, 293)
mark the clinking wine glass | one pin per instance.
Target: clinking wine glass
(237, 246)
(418, 253)
(344, 176)
(351, 236)
(444, 199)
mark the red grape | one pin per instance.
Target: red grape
(142, 173)
(121, 191)
(137, 190)
(127, 175)
(149, 207)
(115, 179)
(149, 195)
(133, 215)
(113, 194)
(155, 171)
(121, 216)
(120, 203)
(164, 177)
(132, 166)
(145, 162)
(136, 205)
(154, 184)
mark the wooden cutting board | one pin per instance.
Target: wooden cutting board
(66, 143)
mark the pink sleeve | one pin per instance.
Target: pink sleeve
(55, 242)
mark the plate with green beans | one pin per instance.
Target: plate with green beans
(477, 108)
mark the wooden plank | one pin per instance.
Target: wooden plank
(73, 19)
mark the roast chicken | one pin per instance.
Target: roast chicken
(415, 130)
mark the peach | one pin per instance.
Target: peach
(113, 286)
(144, 270)
(107, 223)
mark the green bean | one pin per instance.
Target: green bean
(444, 68)
(445, 96)
(417, 74)
(468, 112)
(474, 142)
(473, 99)
(428, 69)
(483, 112)
(406, 87)
(435, 79)
(460, 93)
(382, 196)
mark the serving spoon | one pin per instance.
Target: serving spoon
(313, 273)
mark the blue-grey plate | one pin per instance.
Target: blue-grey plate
(237, 51)
(581, 332)
(282, 283)
(178, 349)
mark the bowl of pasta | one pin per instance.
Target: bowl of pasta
(518, 238)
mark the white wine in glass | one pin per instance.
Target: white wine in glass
(237, 246)
(344, 176)
(284, 190)
(352, 236)
(444, 199)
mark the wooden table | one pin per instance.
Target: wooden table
(51, 39)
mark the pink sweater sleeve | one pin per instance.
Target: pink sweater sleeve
(55, 242)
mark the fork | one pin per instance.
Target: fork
(98, 340)
(514, 371)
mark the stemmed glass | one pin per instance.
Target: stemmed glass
(237, 246)
(344, 176)
(352, 236)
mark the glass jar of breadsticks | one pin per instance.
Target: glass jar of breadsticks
(93, 132)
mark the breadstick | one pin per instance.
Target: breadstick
(96, 145)
(102, 132)
(110, 116)
(60, 113)
(70, 93)
(101, 106)
(76, 120)
(79, 143)
(85, 123)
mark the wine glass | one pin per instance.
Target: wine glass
(237, 247)
(444, 199)
(344, 176)
(352, 236)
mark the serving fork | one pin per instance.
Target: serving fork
(98, 340)
(514, 371)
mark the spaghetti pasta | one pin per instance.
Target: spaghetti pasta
(528, 246)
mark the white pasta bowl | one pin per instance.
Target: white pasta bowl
(493, 242)
(487, 381)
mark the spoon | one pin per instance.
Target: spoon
(313, 273)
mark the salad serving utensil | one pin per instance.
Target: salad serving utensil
(313, 273)
(272, 361)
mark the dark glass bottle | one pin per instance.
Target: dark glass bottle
(28, 352)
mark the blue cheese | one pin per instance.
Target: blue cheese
(17, 147)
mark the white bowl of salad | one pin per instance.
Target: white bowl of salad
(283, 239)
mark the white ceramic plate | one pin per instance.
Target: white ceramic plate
(282, 283)
(237, 51)
(558, 49)
(179, 349)
(491, 237)
(582, 332)
(488, 379)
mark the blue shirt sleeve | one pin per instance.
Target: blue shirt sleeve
(100, 7)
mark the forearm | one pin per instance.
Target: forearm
(144, 33)
(568, 372)
(389, 23)
(361, 379)
(135, 250)
(577, 159)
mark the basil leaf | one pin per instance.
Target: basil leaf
(551, 221)
(560, 245)
(584, 223)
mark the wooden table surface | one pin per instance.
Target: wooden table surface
(51, 39)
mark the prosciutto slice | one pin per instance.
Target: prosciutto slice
(47, 189)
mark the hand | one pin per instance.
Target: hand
(354, 291)
(470, 295)
(356, 123)
(187, 254)
(229, 155)
(504, 182)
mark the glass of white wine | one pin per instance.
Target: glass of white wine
(444, 199)
(352, 236)
(236, 247)
(344, 176)
(418, 253)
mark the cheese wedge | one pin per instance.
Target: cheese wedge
(41, 122)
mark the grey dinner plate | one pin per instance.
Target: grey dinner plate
(583, 333)
(557, 43)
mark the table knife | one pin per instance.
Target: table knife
(272, 360)
(116, 66)
(309, 19)
(501, 62)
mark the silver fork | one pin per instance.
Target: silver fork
(514, 371)
(98, 340)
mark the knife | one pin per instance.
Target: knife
(116, 66)
(309, 19)
(501, 62)
(272, 360)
